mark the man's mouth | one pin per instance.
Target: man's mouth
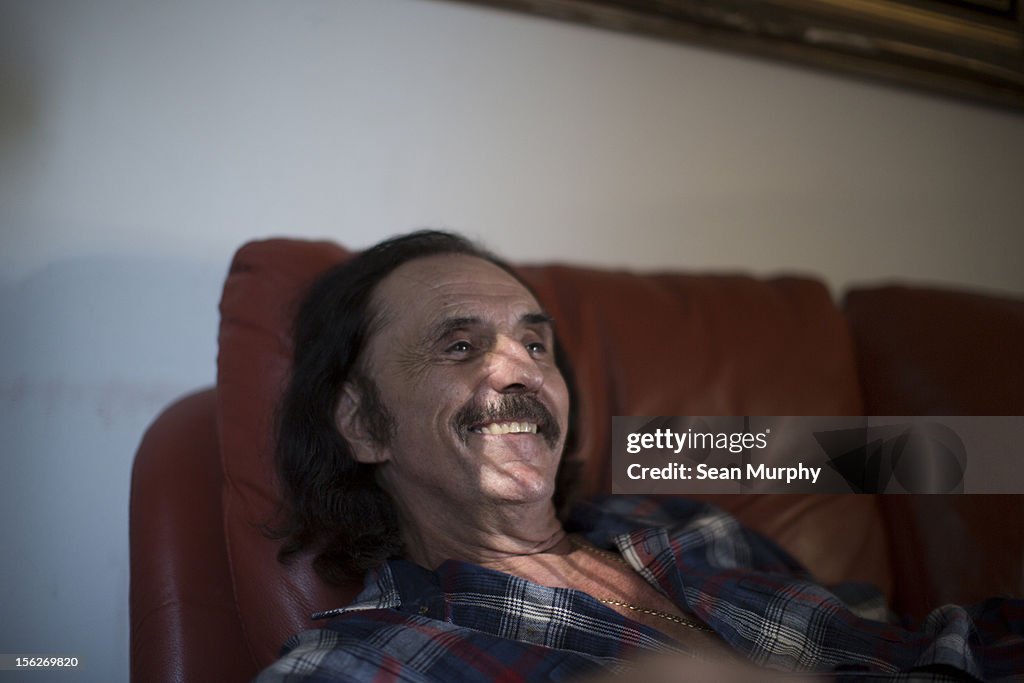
(508, 414)
(498, 428)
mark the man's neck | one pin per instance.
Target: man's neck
(482, 536)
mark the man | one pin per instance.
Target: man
(420, 441)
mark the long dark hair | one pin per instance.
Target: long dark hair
(331, 503)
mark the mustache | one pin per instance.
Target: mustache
(509, 408)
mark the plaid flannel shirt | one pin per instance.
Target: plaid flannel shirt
(464, 622)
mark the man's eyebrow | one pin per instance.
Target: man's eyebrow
(446, 326)
(539, 318)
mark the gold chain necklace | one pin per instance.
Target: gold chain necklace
(594, 550)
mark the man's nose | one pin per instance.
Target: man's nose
(513, 369)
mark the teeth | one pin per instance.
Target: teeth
(498, 428)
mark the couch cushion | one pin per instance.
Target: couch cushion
(662, 344)
(931, 351)
(937, 352)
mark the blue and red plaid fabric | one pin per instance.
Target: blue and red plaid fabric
(464, 622)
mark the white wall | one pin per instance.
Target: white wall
(142, 141)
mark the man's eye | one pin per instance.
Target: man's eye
(460, 347)
(536, 348)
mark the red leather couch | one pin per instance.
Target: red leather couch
(210, 602)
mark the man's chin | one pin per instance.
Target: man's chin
(524, 485)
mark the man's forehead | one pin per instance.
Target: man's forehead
(426, 290)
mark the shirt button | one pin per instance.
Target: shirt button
(424, 609)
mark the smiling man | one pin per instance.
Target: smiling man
(420, 445)
(462, 359)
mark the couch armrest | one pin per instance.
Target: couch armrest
(184, 620)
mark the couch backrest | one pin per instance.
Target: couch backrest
(939, 351)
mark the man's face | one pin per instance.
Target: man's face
(463, 358)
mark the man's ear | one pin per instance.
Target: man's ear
(348, 418)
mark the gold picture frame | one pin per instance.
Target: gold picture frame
(965, 48)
